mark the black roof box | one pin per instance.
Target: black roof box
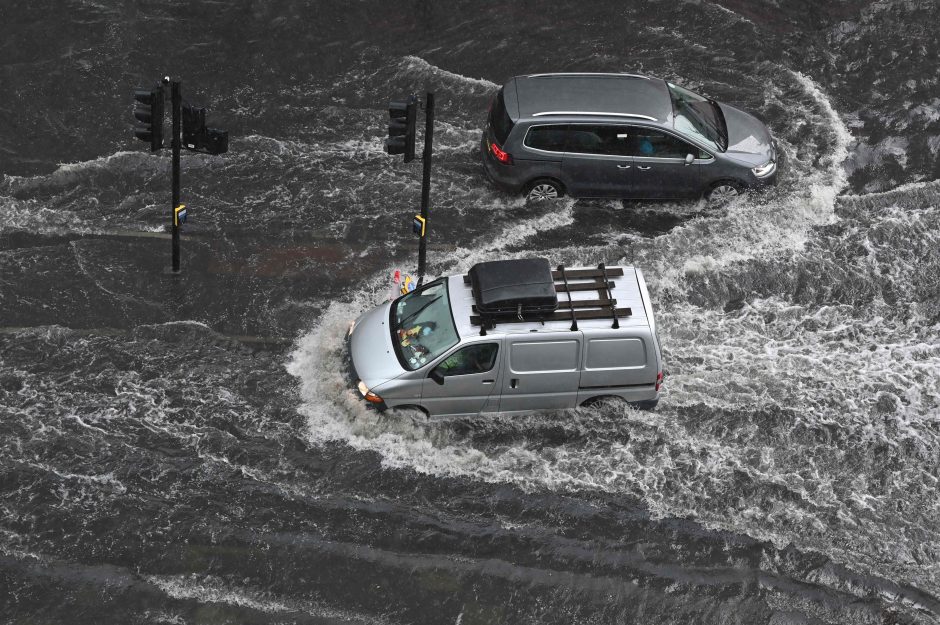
(502, 286)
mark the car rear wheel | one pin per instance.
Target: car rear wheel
(723, 192)
(543, 189)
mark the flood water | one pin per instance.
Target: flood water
(187, 449)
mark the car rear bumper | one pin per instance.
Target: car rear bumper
(497, 173)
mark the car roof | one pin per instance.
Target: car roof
(627, 95)
(626, 291)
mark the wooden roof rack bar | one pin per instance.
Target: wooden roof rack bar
(574, 318)
(613, 302)
(560, 315)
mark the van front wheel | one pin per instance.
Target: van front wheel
(543, 189)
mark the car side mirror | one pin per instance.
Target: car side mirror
(689, 159)
(437, 376)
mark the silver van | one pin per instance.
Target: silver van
(512, 336)
(621, 136)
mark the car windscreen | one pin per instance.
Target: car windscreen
(422, 325)
(698, 117)
(500, 121)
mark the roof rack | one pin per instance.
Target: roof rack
(610, 74)
(567, 281)
(596, 114)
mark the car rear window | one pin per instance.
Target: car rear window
(500, 121)
(549, 138)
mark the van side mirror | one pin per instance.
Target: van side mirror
(437, 376)
(689, 159)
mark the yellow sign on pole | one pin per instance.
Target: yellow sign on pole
(179, 215)
(419, 225)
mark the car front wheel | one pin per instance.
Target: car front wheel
(723, 192)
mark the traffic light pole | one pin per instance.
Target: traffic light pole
(426, 182)
(176, 102)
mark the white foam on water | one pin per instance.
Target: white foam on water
(31, 216)
(211, 589)
(753, 227)
(419, 64)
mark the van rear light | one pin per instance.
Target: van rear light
(501, 155)
(659, 380)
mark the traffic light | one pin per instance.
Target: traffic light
(194, 124)
(149, 111)
(197, 137)
(401, 127)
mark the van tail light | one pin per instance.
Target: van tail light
(501, 155)
(659, 380)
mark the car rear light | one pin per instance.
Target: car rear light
(501, 155)
(659, 380)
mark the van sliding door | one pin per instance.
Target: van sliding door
(615, 360)
(541, 374)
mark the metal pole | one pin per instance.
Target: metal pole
(426, 182)
(176, 101)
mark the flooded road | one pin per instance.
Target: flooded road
(186, 449)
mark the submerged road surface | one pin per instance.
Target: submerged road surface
(186, 449)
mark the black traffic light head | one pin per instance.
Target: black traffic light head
(197, 137)
(149, 111)
(401, 127)
(194, 125)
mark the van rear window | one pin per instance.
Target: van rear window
(500, 121)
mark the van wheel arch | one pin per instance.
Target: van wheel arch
(409, 407)
(597, 399)
(532, 185)
(644, 404)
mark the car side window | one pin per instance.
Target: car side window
(657, 144)
(591, 139)
(550, 138)
(477, 358)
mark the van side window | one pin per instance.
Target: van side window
(526, 357)
(591, 139)
(549, 138)
(616, 353)
(478, 358)
(656, 144)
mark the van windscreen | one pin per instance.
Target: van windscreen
(500, 121)
(422, 325)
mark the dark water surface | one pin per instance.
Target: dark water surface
(186, 450)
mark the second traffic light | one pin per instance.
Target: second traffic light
(196, 136)
(401, 127)
(149, 111)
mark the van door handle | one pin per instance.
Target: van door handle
(643, 168)
(514, 383)
(488, 381)
(623, 167)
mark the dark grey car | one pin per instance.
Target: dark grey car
(621, 136)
